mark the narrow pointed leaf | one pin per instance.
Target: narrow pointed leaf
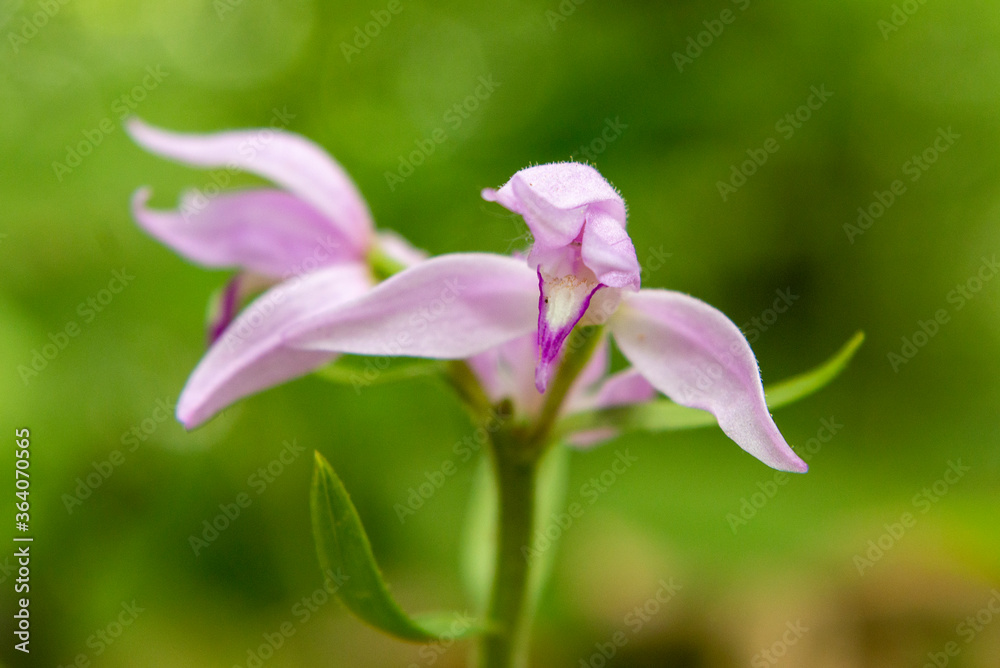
(343, 548)
(797, 387)
(363, 371)
(665, 415)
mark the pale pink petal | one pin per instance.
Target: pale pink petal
(287, 159)
(448, 307)
(550, 226)
(269, 232)
(620, 389)
(553, 200)
(489, 367)
(591, 437)
(696, 356)
(625, 387)
(250, 355)
(508, 372)
(607, 251)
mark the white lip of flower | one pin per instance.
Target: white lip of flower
(564, 297)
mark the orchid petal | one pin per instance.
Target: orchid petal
(287, 159)
(448, 307)
(508, 372)
(250, 355)
(265, 231)
(696, 356)
(625, 387)
(620, 389)
(583, 440)
(607, 250)
(490, 367)
(550, 226)
(553, 200)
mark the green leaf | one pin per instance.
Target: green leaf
(665, 415)
(346, 556)
(797, 387)
(362, 370)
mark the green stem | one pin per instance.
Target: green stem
(503, 645)
(517, 453)
(464, 381)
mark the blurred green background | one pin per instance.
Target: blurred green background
(789, 586)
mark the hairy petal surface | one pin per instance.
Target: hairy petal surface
(553, 200)
(287, 159)
(448, 307)
(569, 207)
(696, 356)
(607, 251)
(580, 246)
(251, 355)
(266, 231)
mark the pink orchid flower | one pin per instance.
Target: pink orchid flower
(310, 238)
(578, 222)
(582, 269)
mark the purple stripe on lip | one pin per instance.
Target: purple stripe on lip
(550, 341)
